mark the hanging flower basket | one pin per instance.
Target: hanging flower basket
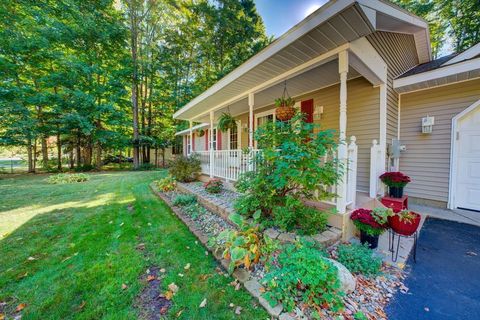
(285, 110)
(226, 121)
(201, 132)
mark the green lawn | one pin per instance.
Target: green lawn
(66, 250)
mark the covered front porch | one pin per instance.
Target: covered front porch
(227, 155)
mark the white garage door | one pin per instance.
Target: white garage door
(468, 161)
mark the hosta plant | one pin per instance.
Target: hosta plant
(183, 200)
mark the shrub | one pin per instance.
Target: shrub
(302, 272)
(296, 215)
(166, 184)
(291, 166)
(84, 168)
(213, 186)
(194, 210)
(184, 200)
(185, 169)
(146, 167)
(67, 178)
(359, 259)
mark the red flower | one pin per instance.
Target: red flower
(395, 179)
(365, 216)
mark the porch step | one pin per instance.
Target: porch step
(224, 207)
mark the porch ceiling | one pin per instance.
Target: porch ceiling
(329, 29)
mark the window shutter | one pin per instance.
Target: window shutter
(206, 140)
(219, 139)
(307, 109)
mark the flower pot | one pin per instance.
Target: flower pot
(403, 227)
(395, 192)
(371, 240)
(284, 113)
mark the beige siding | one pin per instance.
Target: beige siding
(399, 52)
(362, 113)
(427, 159)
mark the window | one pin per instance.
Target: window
(189, 145)
(214, 139)
(233, 138)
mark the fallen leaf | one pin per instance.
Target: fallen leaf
(124, 286)
(22, 275)
(238, 310)
(206, 253)
(426, 309)
(20, 307)
(141, 246)
(150, 278)
(80, 307)
(31, 258)
(231, 305)
(180, 275)
(179, 313)
(237, 287)
(163, 310)
(203, 304)
(121, 224)
(169, 295)
(471, 253)
(187, 266)
(173, 287)
(162, 270)
(2, 316)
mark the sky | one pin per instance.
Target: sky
(281, 15)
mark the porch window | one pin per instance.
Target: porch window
(189, 145)
(233, 139)
(214, 139)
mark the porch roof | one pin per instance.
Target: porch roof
(307, 47)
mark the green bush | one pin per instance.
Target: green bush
(166, 184)
(84, 168)
(213, 186)
(359, 259)
(185, 169)
(184, 200)
(296, 215)
(301, 271)
(291, 165)
(146, 167)
(67, 178)
(194, 210)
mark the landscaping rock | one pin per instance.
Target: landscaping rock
(272, 233)
(287, 237)
(242, 275)
(347, 280)
(286, 316)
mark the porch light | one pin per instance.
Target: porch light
(427, 124)
(317, 112)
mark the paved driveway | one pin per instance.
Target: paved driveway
(445, 281)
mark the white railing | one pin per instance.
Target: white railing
(377, 167)
(230, 164)
(227, 164)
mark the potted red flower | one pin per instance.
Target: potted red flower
(371, 224)
(395, 181)
(405, 222)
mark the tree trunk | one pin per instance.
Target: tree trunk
(163, 157)
(59, 152)
(72, 160)
(134, 21)
(78, 155)
(98, 156)
(30, 156)
(43, 142)
(34, 155)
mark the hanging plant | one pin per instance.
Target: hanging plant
(201, 132)
(285, 110)
(226, 121)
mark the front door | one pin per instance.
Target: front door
(468, 161)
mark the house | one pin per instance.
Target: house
(365, 69)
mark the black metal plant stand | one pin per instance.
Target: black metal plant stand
(391, 243)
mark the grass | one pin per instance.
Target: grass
(66, 250)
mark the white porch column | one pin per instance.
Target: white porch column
(383, 132)
(342, 148)
(212, 158)
(251, 101)
(189, 151)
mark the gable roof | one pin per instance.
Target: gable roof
(333, 25)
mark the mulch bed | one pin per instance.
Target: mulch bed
(151, 303)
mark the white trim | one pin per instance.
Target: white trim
(467, 54)
(187, 131)
(318, 17)
(438, 86)
(366, 60)
(454, 153)
(260, 115)
(320, 60)
(239, 136)
(441, 72)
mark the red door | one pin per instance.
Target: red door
(307, 109)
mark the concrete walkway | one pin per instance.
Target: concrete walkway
(444, 283)
(459, 215)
